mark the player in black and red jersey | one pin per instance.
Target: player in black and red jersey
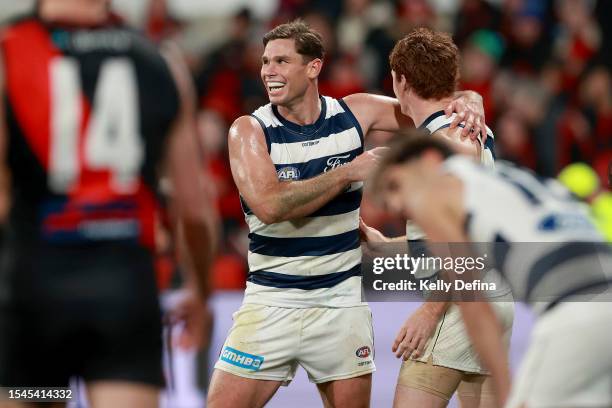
(90, 112)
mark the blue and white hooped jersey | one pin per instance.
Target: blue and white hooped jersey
(438, 120)
(541, 238)
(315, 260)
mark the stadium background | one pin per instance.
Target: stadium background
(542, 67)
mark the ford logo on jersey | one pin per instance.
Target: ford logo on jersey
(288, 173)
(241, 359)
(336, 161)
(363, 352)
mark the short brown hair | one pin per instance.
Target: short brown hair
(429, 61)
(308, 42)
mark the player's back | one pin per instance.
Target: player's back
(542, 239)
(88, 110)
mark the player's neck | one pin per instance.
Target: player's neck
(305, 111)
(76, 13)
(420, 109)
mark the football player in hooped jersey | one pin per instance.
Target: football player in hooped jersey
(563, 270)
(439, 359)
(299, 164)
(90, 112)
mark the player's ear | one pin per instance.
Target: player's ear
(314, 68)
(403, 83)
(400, 79)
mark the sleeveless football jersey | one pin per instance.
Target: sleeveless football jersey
(542, 240)
(88, 110)
(315, 260)
(438, 120)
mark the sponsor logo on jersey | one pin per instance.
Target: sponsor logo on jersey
(363, 352)
(288, 173)
(565, 221)
(336, 161)
(241, 359)
(310, 143)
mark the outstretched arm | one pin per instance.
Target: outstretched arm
(272, 200)
(377, 112)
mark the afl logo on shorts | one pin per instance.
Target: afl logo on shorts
(288, 173)
(363, 352)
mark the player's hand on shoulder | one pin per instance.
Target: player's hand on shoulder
(363, 165)
(468, 106)
(414, 333)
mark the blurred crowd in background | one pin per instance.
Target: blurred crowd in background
(543, 68)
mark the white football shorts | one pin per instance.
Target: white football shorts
(268, 343)
(450, 345)
(569, 359)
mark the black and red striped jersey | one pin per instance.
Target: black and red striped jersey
(88, 111)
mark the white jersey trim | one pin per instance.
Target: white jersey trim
(322, 226)
(334, 144)
(305, 265)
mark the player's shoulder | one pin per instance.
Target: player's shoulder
(265, 117)
(369, 106)
(360, 101)
(244, 128)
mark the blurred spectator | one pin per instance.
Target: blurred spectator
(480, 58)
(226, 72)
(578, 37)
(472, 16)
(523, 26)
(160, 24)
(413, 14)
(514, 140)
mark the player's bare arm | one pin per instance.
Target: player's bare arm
(272, 200)
(485, 331)
(419, 327)
(197, 229)
(443, 223)
(377, 112)
(196, 214)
